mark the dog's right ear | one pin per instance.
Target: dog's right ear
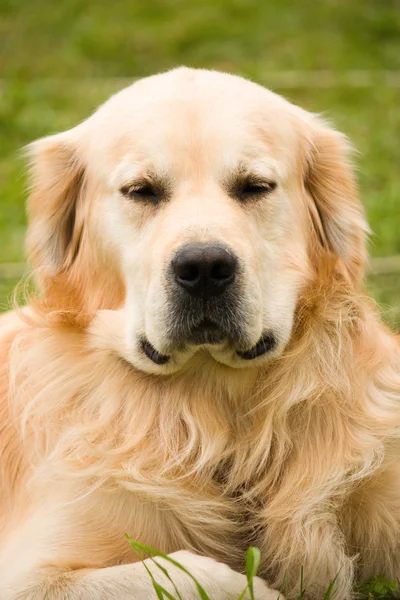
(57, 188)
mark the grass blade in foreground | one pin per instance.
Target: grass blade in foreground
(330, 588)
(153, 552)
(252, 564)
(167, 575)
(159, 589)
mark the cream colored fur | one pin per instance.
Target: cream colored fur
(297, 452)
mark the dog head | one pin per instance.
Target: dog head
(197, 204)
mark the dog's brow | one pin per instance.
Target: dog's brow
(159, 180)
(243, 172)
(132, 171)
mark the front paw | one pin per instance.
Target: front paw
(220, 581)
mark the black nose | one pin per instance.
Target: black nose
(204, 270)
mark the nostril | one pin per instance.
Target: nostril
(221, 270)
(188, 272)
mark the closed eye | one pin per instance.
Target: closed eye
(256, 188)
(143, 191)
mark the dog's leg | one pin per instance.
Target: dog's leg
(132, 582)
(312, 552)
(371, 522)
(77, 551)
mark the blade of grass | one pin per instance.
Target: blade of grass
(167, 575)
(330, 588)
(287, 583)
(243, 593)
(161, 592)
(159, 589)
(252, 564)
(152, 551)
(302, 589)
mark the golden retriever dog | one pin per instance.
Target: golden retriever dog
(200, 367)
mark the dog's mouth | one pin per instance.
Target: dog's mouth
(208, 332)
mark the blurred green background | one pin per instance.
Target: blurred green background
(60, 59)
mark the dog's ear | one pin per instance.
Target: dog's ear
(57, 187)
(335, 208)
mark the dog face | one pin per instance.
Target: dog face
(197, 204)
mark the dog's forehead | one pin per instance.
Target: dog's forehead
(194, 114)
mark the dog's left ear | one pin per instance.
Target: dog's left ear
(335, 208)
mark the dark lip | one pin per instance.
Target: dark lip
(152, 354)
(208, 332)
(264, 345)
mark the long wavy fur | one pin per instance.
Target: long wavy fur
(300, 435)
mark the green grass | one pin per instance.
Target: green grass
(6, 287)
(143, 551)
(97, 38)
(379, 587)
